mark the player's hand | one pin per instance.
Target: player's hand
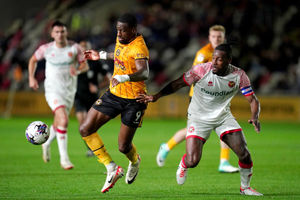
(255, 123)
(143, 98)
(91, 55)
(73, 71)
(33, 83)
(93, 88)
(114, 82)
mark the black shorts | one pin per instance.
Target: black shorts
(131, 111)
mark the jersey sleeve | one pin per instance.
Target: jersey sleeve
(196, 73)
(140, 51)
(199, 58)
(245, 85)
(39, 54)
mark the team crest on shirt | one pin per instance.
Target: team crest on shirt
(231, 84)
(98, 102)
(210, 83)
(70, 54)
(191, 129)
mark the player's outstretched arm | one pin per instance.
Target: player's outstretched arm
(91, 55)
(255, 110)
(168, 89)
(95, 55)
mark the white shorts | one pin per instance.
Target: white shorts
(202, 129)
(56, 101)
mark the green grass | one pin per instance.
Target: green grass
(23, 175)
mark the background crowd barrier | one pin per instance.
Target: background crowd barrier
(277, 108)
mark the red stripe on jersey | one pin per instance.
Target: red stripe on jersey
(230, 131)
(196, 136)
(245, 166)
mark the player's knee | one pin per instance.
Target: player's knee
(123, 148)
(83, 130)
(63, 122)
(192, 161)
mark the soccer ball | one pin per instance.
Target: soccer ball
(37, 132)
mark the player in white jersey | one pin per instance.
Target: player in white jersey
(216, 37)
(215, 84)
(64, 61)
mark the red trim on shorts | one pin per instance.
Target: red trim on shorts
(58, 108)
(182, 161)
(196, 136)
(230, 131)
(185, 80)
(246, 166)
(61, 131)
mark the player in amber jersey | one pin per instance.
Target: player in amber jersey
(125, 56)
(216, 37)
(131, 68)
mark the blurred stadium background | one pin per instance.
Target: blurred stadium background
(174, 30)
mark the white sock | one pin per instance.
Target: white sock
(111, 166)
(246, 174)
(52, 136)
(62, 142)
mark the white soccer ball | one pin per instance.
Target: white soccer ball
(37, 132)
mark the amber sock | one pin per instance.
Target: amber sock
(132, 155)
(96, 144)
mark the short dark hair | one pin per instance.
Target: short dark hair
(128, 19)
(226, 48)
(58, 23)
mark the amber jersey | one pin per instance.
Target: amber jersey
(124, 63)
(203, 55)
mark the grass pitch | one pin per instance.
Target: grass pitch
(24, 175)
